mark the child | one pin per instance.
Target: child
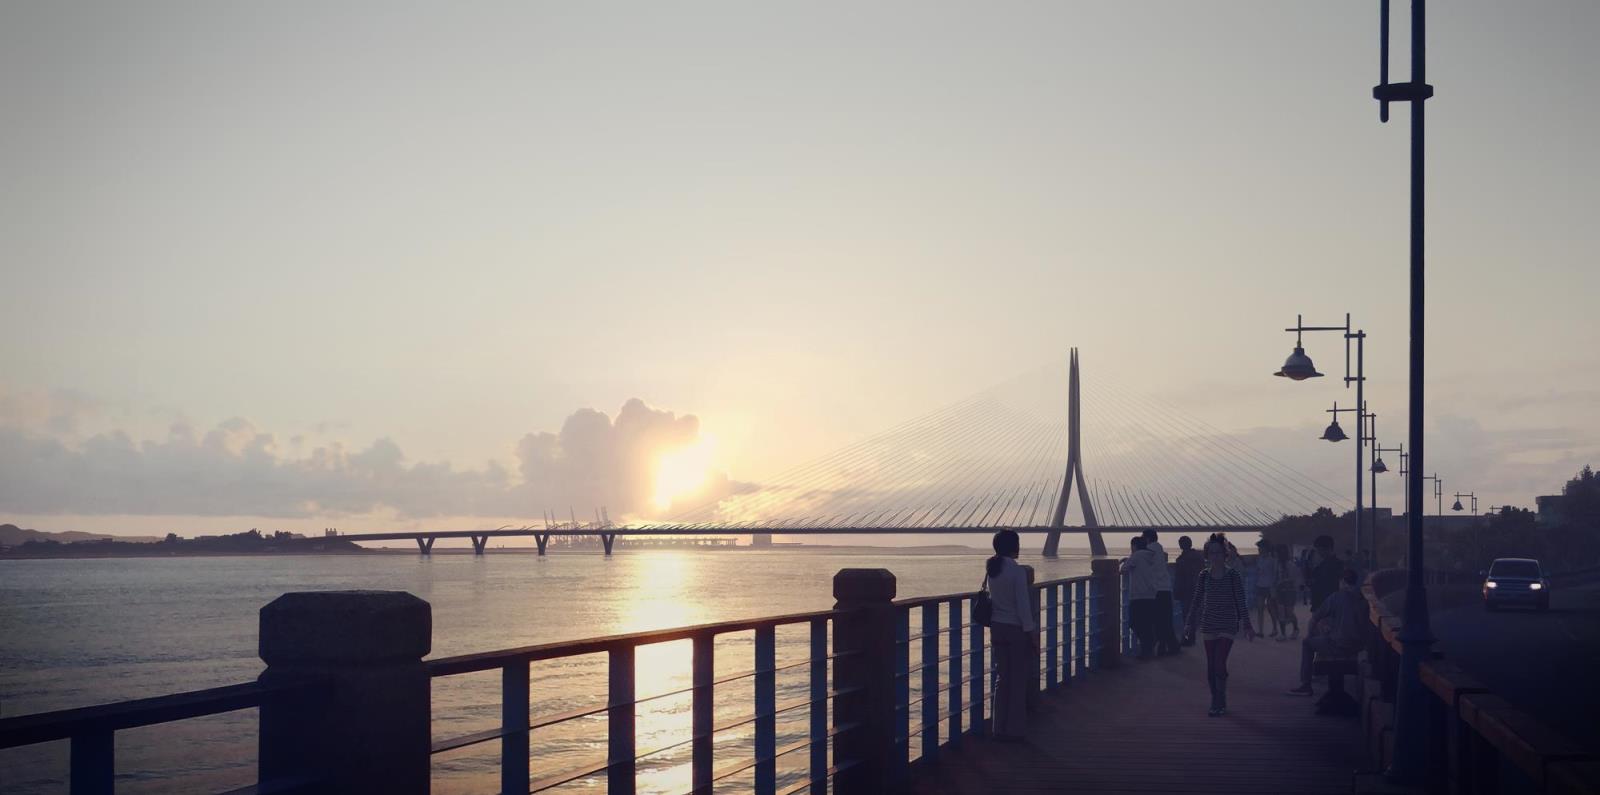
(1220, 613)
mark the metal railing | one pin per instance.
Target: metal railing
(622, 757)
(1069, 613)
(948, 689)
(91, 731)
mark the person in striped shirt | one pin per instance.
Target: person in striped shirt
(1220, 613)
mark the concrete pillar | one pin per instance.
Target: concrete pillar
(543, 540)
(478, 543)
(425, 544)
(1108, 581)
(868, 632)
(366, 726)
(608, 539)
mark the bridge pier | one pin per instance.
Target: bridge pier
(608, 539)
(478, 543)
(425, 544)
(543, 540)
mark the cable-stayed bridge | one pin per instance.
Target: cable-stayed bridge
(1006, 457)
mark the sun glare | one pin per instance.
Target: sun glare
(683, 471)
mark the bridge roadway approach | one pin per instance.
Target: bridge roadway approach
(609, 535)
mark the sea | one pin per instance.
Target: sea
(79, 632)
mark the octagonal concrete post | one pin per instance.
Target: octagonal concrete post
(365, 725)
(866, 636)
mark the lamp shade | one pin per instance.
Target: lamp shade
(1334, 433)
(1457, 506)
(1298, 366)
(1379, 467)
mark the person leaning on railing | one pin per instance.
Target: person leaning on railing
(1013, 632)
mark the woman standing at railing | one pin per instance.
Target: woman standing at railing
(1220, 612)
(1013, 632)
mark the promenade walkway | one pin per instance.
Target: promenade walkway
(1143, 728)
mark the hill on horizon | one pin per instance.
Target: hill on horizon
(12, 535)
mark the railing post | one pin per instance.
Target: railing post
(514, 722)
(956, 674)
(766, 726)
(1052, 615)
(1033, 659)
(92, 764)
(930, 682)
(620, 714)
(978, 688)
(819, 707)
(1108, 583)
(366, 727)
(703, 713)
(1080, 630)
(865, 635)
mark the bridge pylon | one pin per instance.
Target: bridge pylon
(1058, 519)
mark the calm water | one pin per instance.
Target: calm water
(80, 632)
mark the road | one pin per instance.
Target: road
(1546, 663)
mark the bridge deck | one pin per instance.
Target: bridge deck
(1143, 729)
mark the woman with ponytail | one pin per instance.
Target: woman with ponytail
(1219, 611)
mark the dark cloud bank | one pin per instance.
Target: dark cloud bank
(237, 469)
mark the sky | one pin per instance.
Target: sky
(300, 265)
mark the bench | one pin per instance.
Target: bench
(1336, 667)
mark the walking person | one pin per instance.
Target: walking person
(1266, 587)
(1184, 571)
(1219, 613)
(1289, 583)
(1014, 634)
(1161, 613)
(1140, 566)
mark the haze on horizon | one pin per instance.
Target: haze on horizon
(375, 267)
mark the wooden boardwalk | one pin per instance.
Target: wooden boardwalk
(1143, 728)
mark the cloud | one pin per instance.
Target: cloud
(237, 469)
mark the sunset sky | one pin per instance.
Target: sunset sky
(300, 243)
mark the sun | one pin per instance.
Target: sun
(683, 471)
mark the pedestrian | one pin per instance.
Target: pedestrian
(1326, 568)
(1184, 571)
(1289, 584)
(1140, 566)
(1338, 627)
(1219, 613)
(1161, 614)
(1014, 634)
(1266, 587)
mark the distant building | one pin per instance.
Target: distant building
(1552, 509)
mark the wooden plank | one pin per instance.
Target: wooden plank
(1142, 727)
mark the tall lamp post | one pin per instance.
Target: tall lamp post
(1298, 367)
(1469, 494)
(1438, 494)
(1378, 468)
(1334, 433)
(1416, 639)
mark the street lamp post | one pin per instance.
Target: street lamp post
(1378, 468)
(1298, 367)
(1438, 493)
(1469, 494)
(1416, 639)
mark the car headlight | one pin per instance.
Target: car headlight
(1538, 586)
(1491, 584)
